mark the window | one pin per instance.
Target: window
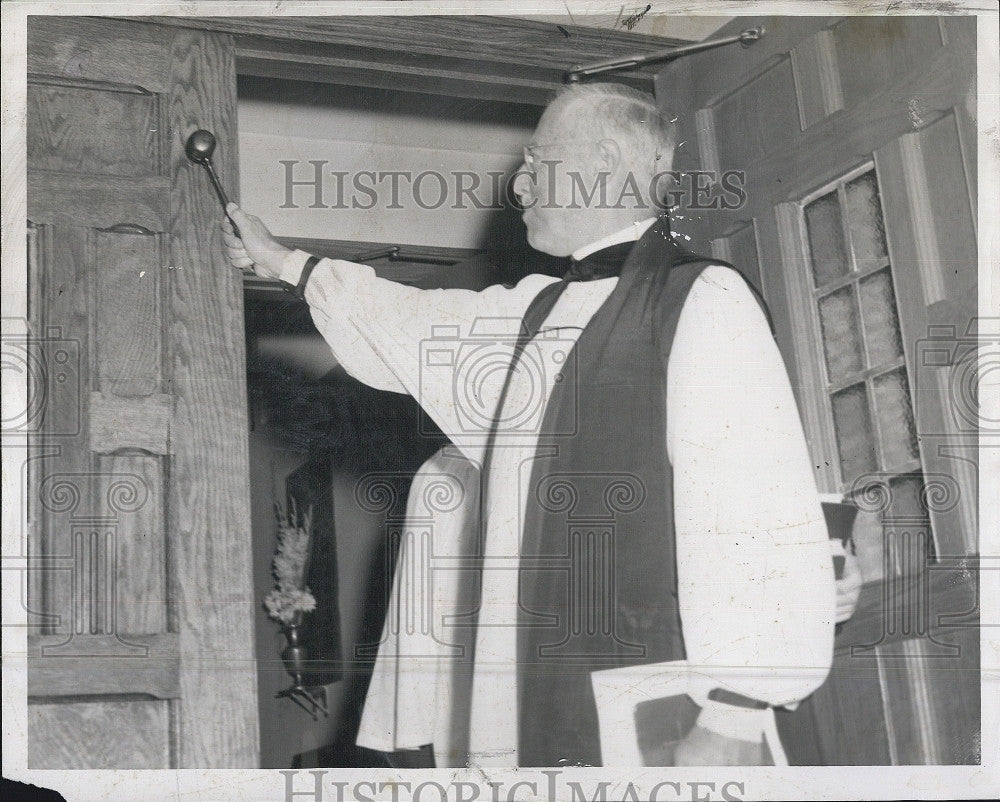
(867, 389)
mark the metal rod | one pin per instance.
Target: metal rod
(221, 194)
(219, 191)
(396, 254)
(377, 253)
(746, 38)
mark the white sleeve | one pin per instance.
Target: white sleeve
(407, 340)
(756, 589)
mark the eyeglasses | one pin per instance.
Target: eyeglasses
(531, 161)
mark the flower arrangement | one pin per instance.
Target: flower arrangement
(290, 598)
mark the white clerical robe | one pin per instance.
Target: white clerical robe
(756, 593)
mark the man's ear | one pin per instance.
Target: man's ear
(609, 155)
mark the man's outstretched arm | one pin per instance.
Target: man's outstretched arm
(391, 336)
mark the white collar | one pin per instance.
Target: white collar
(630, 233)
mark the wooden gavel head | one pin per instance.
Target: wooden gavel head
(200, 146)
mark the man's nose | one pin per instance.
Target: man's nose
(524, 186)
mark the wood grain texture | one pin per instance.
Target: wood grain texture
(88, 48)
(98, 201)
(62, 488)
(130, 423)
(291, 64)
(128, 275)
(209, 506)
(516, 60)
(441, 74)
(933, 698)
(62, 121)
(135, 485)
(119, 563)
(104, 665)
(483, 38)
(87, 735)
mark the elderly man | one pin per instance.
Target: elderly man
(647, 496)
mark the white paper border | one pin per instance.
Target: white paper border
(835, 782)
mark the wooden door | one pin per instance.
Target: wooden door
(852, 142)
(141, 652)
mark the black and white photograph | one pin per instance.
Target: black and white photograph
(524, 401)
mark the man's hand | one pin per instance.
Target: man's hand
(255, 247)
(703, 747)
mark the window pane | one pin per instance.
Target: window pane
(864, 217)
(826, 239)
(854, 432)
(907, 524)
(907, 500)
(878, 305)
(895, 419)
(838, 316)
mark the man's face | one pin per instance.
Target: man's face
(558, 156)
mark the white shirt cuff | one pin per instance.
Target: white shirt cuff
(291, 267)
(733, 722)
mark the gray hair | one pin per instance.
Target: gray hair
(624, 113)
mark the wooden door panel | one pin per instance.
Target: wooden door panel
(140, 548)
(73, 735)
(92, 201)
(79, 126)
(873, 51)
(751, 127)
(143, 654)
(130, 266)
(92, 49)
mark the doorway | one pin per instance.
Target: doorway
(309, 153)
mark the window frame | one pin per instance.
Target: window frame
(852, 280)
(816, 387)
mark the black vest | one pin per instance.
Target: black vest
(597, 584)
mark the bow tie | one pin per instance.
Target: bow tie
(604, 263)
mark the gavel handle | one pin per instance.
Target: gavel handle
(221, 194)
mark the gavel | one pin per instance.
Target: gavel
(199, 149)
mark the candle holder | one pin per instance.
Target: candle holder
(290, 600)
(293, 656)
